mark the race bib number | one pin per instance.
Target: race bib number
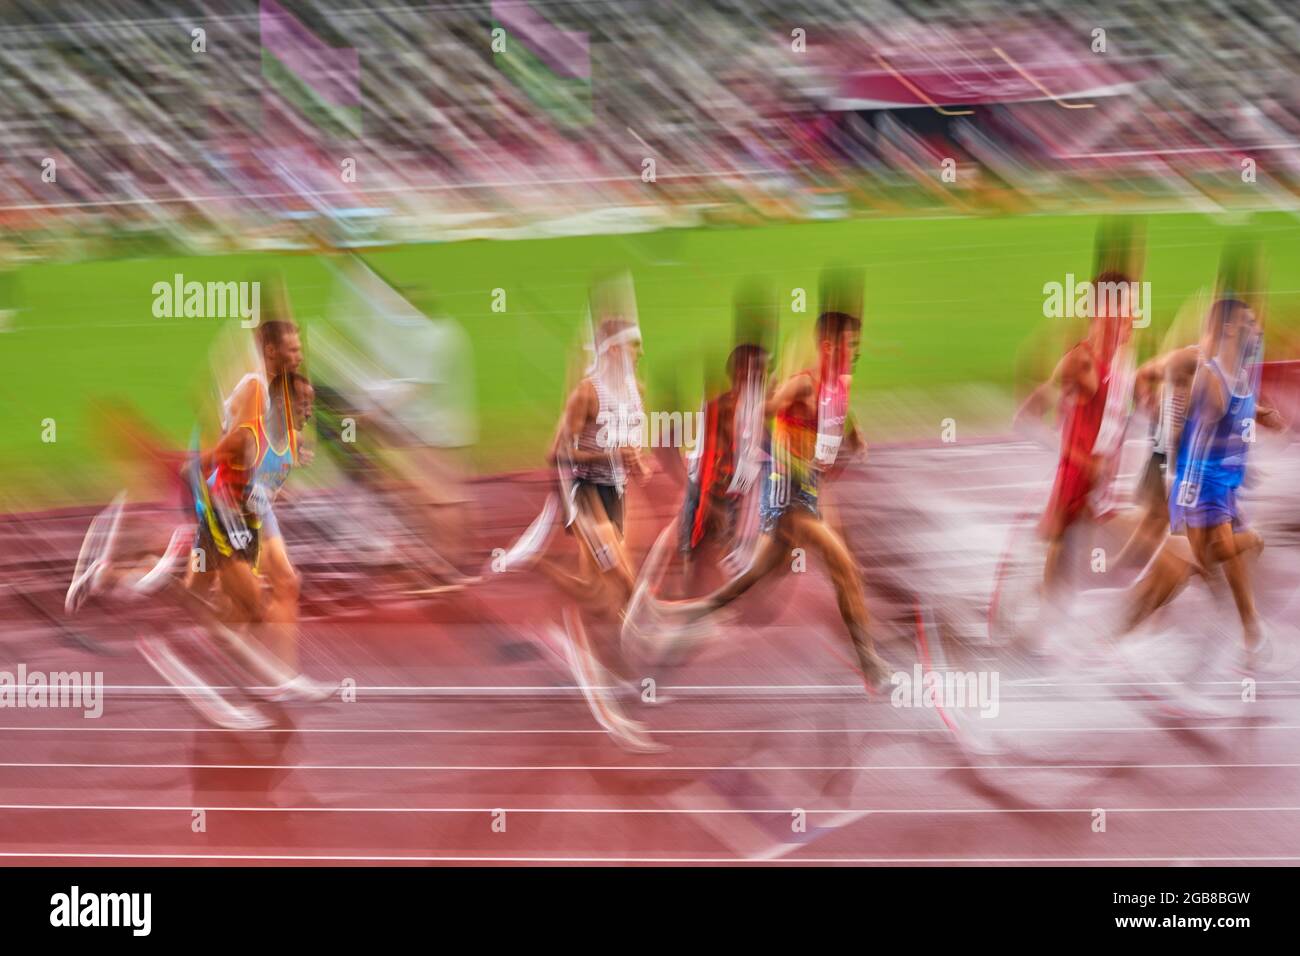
(259, 499)
(828, 449)
(780, 490)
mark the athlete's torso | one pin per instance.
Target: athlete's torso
(1213, 450)
(613, 427)
(794, 428)
(1087, 406)
(264, 476)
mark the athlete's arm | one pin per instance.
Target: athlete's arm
(245, 402)
(1270, 418)
(236, 448)
(855, 445)
(797, 388)
(1146, 383)
(1180, 375)
(577, 411)
(1181, 366)
(1039, 400)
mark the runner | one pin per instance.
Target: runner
(245, 473)
(810, 432)
(1162, 388)
(1207, 527)
(726, 463)
(719, 515)
(598, 444)
(1095, 383)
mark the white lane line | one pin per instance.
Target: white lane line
(333, 858)
(736, 730)
(641, 811)
(651, 768)
(550, 690)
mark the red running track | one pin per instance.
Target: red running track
(467, 744)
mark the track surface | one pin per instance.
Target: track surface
(460, 712)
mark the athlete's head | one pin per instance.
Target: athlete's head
(1112, 312)
(303, 396)
(618, 342)
(839, 326)
(1231, 327)
(297, 389)
(839, 338)
(747, 363)
(615, 336)
(280, 345)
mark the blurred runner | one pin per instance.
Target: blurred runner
(810, 432)
(727, 463)
(716, 531)
(598, 445)
(1207, 526)
(256, 399)
(1094, 380)
(1161, 391)
(235, 509)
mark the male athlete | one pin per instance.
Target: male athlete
(726, 464)
(280, 352)
(1162, 386)
(1094, 379)
(1222, 413)
(597, 446)
(725, 474)
(245, 472)
(1163, 389)
(280, 348)
(810, 432)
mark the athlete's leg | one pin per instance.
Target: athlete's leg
(772, 547)
(1151, 514)
(601, 541)
(279, 629)
(806, 527)
(577, 586)
(242, 590)
(593, 585)
(1053, 562)
(1171, 568)
(604, 565)
(1248, 543)
(1220, 546)
(1063, 542)
(1146, 537)
(592, 677)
